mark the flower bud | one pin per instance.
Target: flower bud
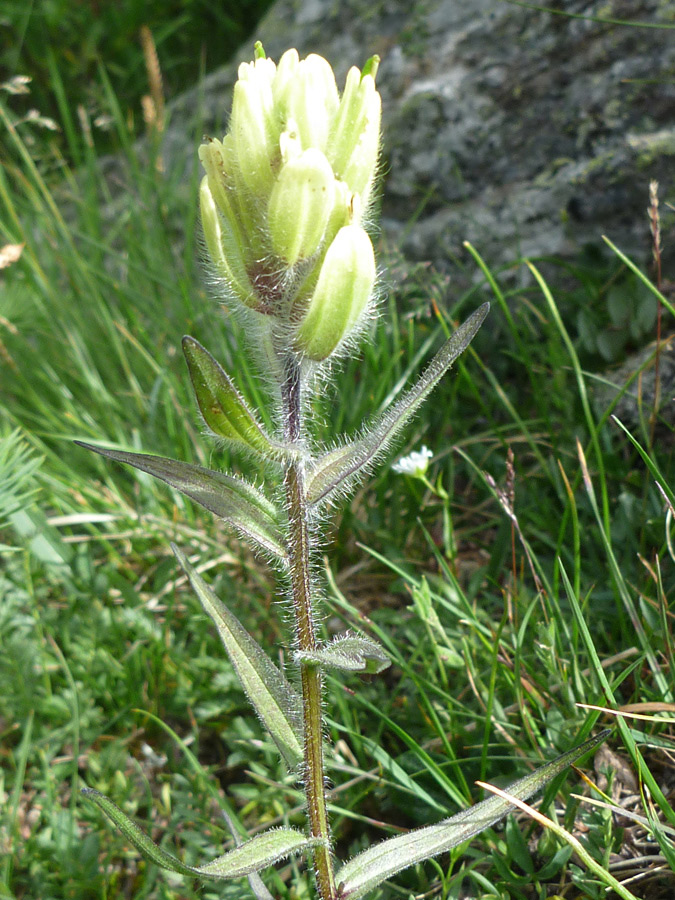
(346, 210)
(212, 156)
(252, 130)
(287, 69)
(343, 289)
(305, 91)
(354, 144)
(300, 206)
(343, 213)
(224, 247)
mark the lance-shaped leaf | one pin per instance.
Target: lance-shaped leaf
(253, 855)
(351, 653)
(272, 697)
(336, 469)
(224, 409)
(380, 862)
(241, 505)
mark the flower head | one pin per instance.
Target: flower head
(285, 193)
(415, 464)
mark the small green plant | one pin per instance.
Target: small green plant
(283, 205)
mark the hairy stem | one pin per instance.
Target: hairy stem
(301, 588)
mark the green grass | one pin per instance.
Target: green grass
(506, 593)
(61, 46)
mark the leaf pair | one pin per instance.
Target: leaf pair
(280, 709)
(369, 869)
(246, 509)
(226, 413)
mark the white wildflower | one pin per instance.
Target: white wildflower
(414, 464)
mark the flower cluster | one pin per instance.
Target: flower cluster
(285, 193)
(283, 204)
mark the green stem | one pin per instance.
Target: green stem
(301, 588)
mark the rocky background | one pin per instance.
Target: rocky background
(528, 133)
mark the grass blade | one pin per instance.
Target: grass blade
(599, 871)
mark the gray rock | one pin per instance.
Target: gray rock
(524, 132)
(630, 390)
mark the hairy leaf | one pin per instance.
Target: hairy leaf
(350, 653)
(253, 855)
(380, 862)
(256, 883)
(272, 697)
(241, 505)
(224, 409)
(337, 468)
